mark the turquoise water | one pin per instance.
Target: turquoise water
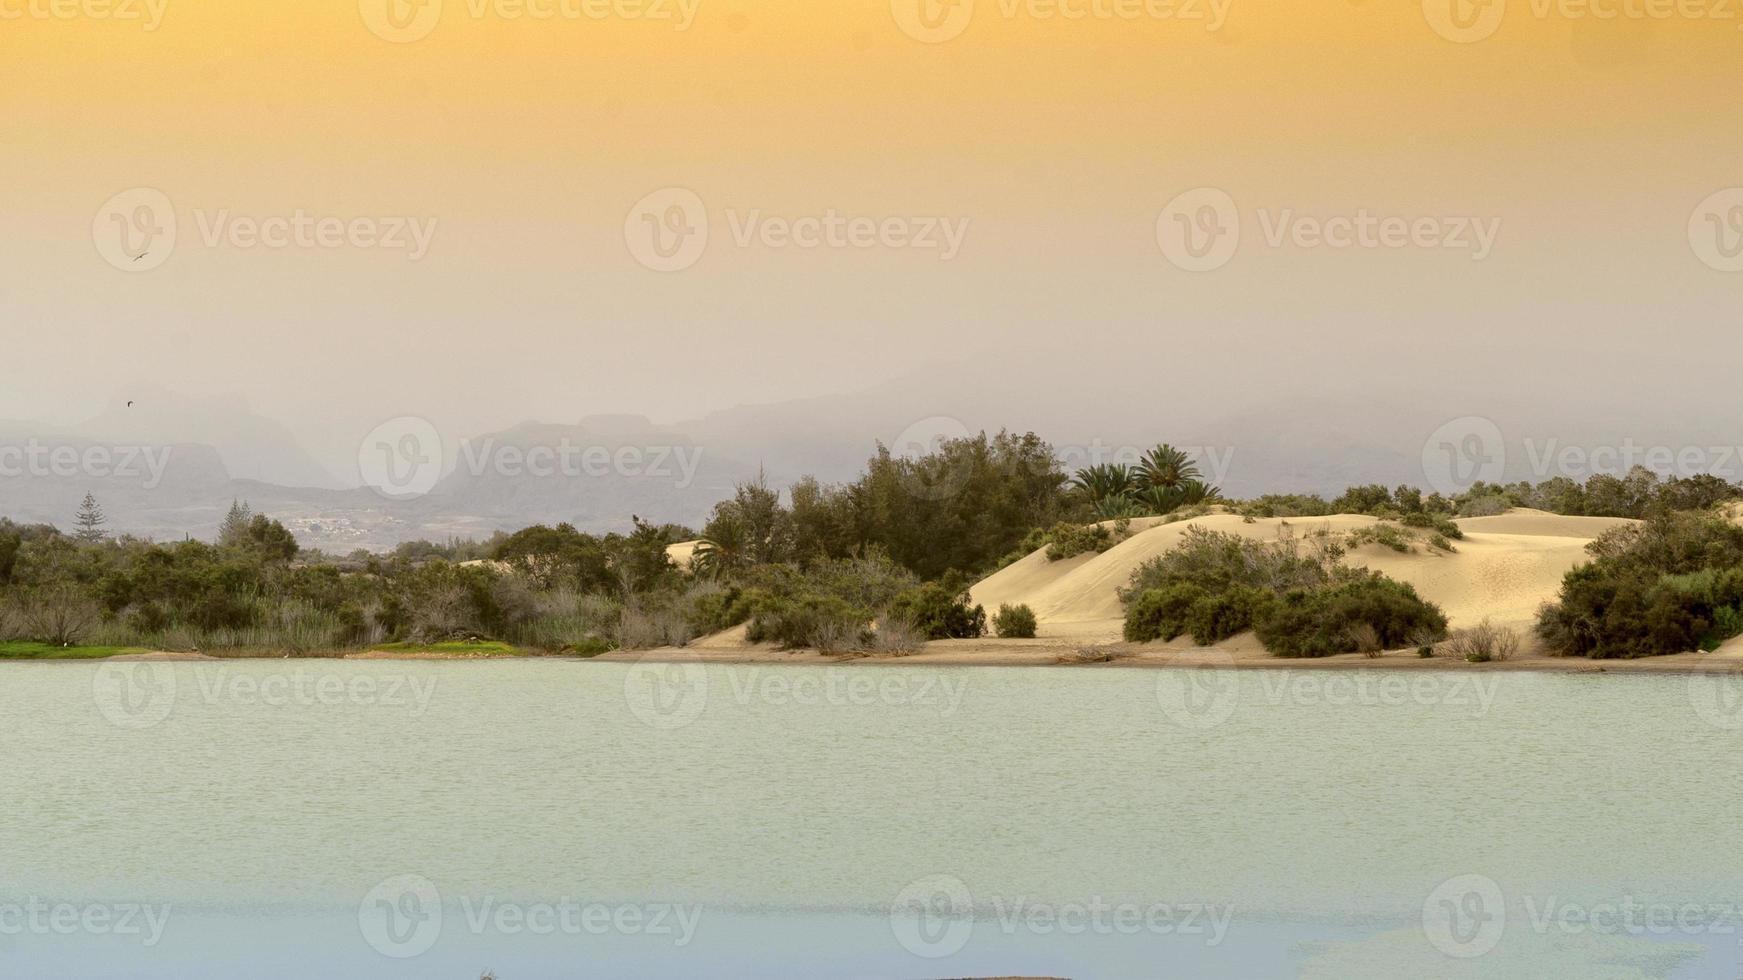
(559, 819)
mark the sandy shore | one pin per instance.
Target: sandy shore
(1042, 653)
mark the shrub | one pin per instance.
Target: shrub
(1386, 535)
(1160, 614)
(1485, 506)
(1215, 561)
(1015, 623)
(1214, 618)
(801, 621)
(1671, 585)
(896, 636)
(1483, 643)
(940, 613)
(1071, 540)
(1366, 640)
(58, 614)
(1317, 622)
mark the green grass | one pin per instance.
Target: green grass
(43, 651)
(490, 648)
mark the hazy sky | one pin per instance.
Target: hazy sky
(1545, 174)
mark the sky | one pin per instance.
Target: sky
(487, 211)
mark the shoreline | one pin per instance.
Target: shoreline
(971, 653)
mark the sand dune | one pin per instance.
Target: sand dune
(1505, 568)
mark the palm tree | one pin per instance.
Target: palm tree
(724, 550)
(1167, 467)
(1106, 482)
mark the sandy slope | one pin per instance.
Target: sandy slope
(1504, 569)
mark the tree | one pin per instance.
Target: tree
(723, 549)
(271, 540)
(1105, 481)
(233, 533)
(90, 521)
(1167, 467)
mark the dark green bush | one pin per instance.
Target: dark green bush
(1671, 585)
(798, 622)
(1160, 614)
(1214, 618)
(1317, 622)
(1015, 623)
(940, 613)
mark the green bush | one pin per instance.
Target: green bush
(1214, 618)
(940, 613)
(1318, 622)
(1015, 623)
(1671, 585)
(802, 621)
(1160, 614)
(1071, 540)
(1385, 535)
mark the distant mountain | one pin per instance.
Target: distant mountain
(252, 447)
(192, 457)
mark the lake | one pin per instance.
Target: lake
(563, 819)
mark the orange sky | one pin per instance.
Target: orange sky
(529, 141)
